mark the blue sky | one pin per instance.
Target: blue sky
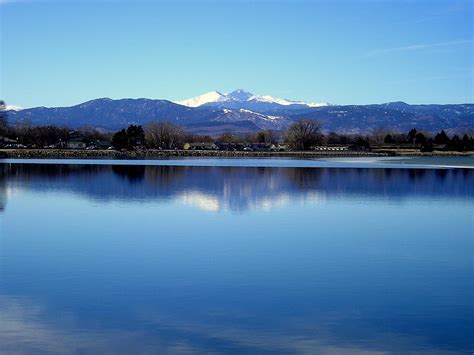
(59, 53)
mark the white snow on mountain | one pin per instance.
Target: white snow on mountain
(266, 117)
(212, 96)
(261, 120)
(317, 104)
(283, 102)
(240, 95)
(10, 108)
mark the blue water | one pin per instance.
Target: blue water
(101, 258)
(422, 162)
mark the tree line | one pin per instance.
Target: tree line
(303, 134)
(428, 143)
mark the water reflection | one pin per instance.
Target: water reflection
(162, 259)
(27, 328)
(3, 189)
(233, 188)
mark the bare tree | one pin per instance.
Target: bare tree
(229, 137)
(303, 134)
(265, 136)
(164, 135)
(91, 133)
(378, 136)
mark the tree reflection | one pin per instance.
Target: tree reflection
(305, 178)
(3, 187)
(133, 173)
(234, 188)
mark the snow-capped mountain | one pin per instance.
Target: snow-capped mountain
(10, 108)
(240, 95)
(283, 102)
(242, 112)
(241, 99)
(209, 97)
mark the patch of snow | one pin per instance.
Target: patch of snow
(283, 102)
(317, 104)
(248, 111)
(261, 115)
(269, 99)
(272, 118)
(212, 96)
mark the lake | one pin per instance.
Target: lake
(237, 256)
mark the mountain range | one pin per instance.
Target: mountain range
(242, 111)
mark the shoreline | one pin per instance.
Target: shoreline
(160, 154)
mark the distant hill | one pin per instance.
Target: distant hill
(241, 111)
(458, 118)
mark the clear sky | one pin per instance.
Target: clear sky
(60, 53)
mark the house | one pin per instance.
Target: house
(260, 147)
(75, 143)
(358, 148)
(226, 146)
(400, 146)
(440, 146)
(330, 148)
(200, 146)
(4, 142)
(100, 144)
(280, 147)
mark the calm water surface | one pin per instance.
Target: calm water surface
(128, 259)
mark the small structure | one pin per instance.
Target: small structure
(75, 143)
(358, 148)
(259, 147)
(330, 148)
(282, 147)
(408, 146)
(5, 140)
(99, 144)
(200, 146)
(8, 143)
(226, 146)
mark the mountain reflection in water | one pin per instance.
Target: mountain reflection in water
(130, 259)
(234, 188)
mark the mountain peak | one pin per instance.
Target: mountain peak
(211, 96)
(240, 95)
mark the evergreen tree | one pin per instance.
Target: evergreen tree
(428, 146)
(420, 139)
(388, 139)
(120, 139)
(136, 135)
(441, 138)
(467, 142)
(456, 143)
(411, 135)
